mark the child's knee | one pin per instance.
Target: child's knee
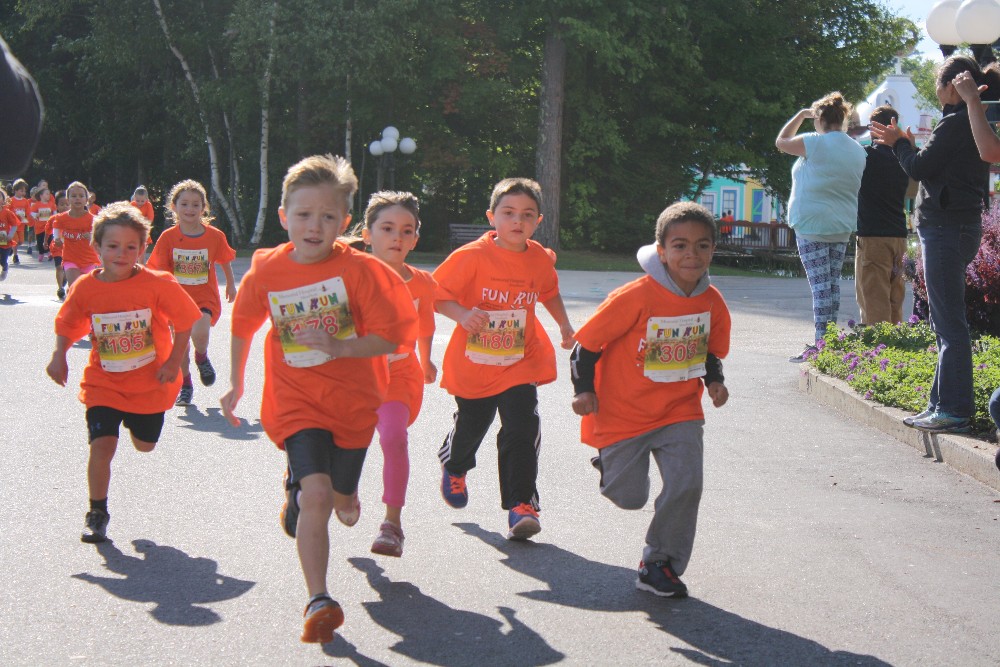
(103, 447)
(314, 498)
(627, 497)
(142, 445)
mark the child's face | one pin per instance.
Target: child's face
(141, 199)
(516, 218)
(77, 198)
(393, 235)
(189, 207)
(92, 198)
(44, 195)
(21, 192)
(314, 215)
(686, 253)
(62, 205)
(119, 251)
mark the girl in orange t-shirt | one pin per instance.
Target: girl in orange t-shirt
(132, 376)
(43, 207)
(62, 205)
(190, 250)
(391, 228)
(20, 204)
(8, 233)
(71, 232)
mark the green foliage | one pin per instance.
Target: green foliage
(894, 365)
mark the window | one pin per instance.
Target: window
(729, 201)
(707, 200)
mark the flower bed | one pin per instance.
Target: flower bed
(894, 365)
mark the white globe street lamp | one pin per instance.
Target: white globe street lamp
(385, 148)
(978, 21)
(941, 23)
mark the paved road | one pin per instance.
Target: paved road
(820, 541)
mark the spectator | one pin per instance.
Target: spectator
(21, 114)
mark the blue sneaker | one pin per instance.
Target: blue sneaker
(942, 422)
(659, 579)
(523, 522)
(453, 489)
(920, 415)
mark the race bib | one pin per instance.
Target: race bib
(124, 340)
(676, 347)
(501, 342)
(321, 305)
(191, 266)
(22, 214)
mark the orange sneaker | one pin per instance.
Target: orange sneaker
(323, 615)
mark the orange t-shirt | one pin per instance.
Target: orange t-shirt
(650, 339)
(406, 377)
(124, 319)
(54, 250)
(146, 209)
(347, 292)
(192, 260)
(94, 209)
(75, 233)
(9, 225)
(515, 349)
(22, 208)
(41, 211)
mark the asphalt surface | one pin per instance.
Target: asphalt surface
(820, 541)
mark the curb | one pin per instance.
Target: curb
(967, 455)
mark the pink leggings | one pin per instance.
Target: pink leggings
(392, 420)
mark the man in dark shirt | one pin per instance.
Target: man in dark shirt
(878, 263)
(20, 115)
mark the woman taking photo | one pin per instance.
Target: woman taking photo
(954, 185)
(823, 207)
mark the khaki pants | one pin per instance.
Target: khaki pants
(878, 275)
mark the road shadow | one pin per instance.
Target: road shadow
(436, 634)
(719, 637)
(179, 585)
(9, 300)
(212, 421)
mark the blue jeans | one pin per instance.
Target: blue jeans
(947, 250)
(995, 408)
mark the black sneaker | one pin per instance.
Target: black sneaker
(186, 395)
(809, 353)
(659, 579)
(206, 372)
(95, 527)
(60, 294)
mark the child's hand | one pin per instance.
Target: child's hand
(319, 339)
(585, 403)
(567, 337)
(168, 371)
(230, 292)
(430, 372)
(474, 320)
(58, 243)
(58, 369)
(229, 401)
(718, 393)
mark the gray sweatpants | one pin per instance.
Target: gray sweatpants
(678, 451)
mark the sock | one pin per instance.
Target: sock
(99, 505)
(186, 382)
(199, 357)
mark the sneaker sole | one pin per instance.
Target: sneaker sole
(959, 429)
(642, 586)
(524, 529)
(387, 549)
(207, 381)
(319, 628)
(286, 524)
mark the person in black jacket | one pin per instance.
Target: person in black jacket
(20, 115)
(954, 186)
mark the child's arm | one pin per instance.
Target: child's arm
(424, 347)
(58, 369)
(583, 363)
(239, 351)
(472, 320)
(227, 269)
(172, 366)
(371, 345)
(557, 310)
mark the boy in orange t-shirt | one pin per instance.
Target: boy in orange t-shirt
(20, 204)
(646, 355)
(190, 250)
(43, 207)
(335, 313)
(132, 376)
(8, 233)
(500, 353)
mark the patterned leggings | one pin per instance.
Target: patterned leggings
(823, 263)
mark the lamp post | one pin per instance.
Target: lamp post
(385, 148)
(975, 22)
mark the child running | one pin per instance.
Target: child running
(71, 232)
(335, 313)
(43, 207)
(391, 228)
(190, 250)
(500, 353)
(132, 375)
(9, 224)
(20, 204)
(639, 368)
(62, 205)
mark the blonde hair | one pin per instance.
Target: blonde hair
(189, 185)
(832, 109)
(120, 214)
(77, 184)
(321, 170)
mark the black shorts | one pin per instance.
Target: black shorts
(57, 261)
(206, 311)
(312, 450)
(103, 421)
